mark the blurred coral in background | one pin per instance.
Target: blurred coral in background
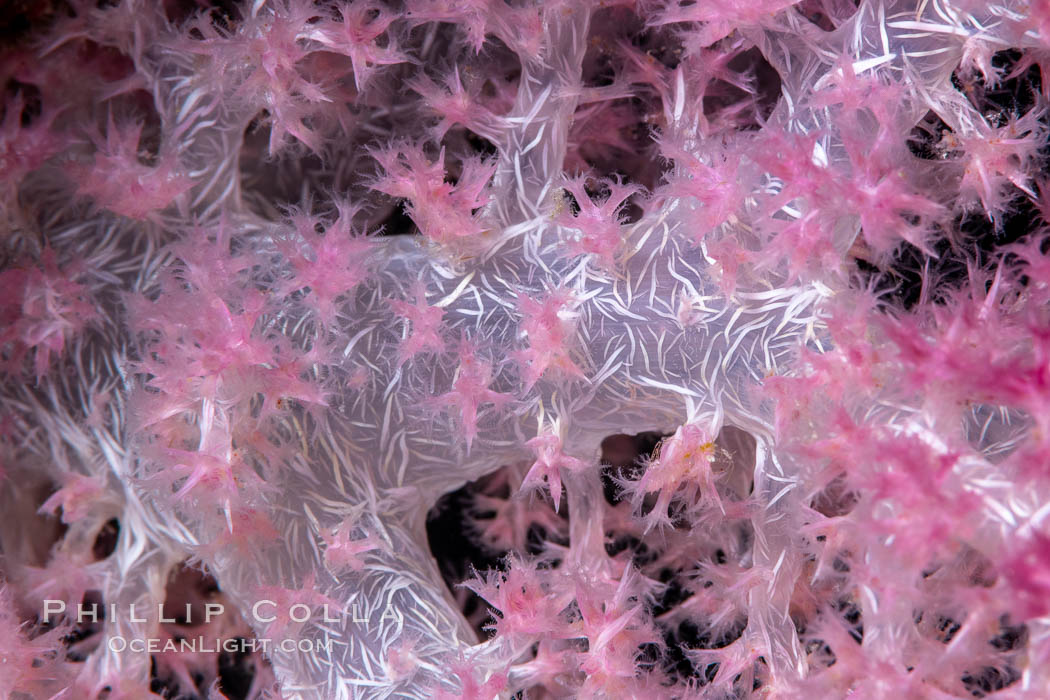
(509, 348)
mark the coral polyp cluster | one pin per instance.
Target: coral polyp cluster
(715, 334)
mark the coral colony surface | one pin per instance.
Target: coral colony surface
(524, 349)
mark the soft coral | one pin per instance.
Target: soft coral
(444, 212)
(457, 104)
(550, 460)
(614, 620)
(470, 390)
(424, 325)
(599, 225)
(681, 469)
(362, 36)
(993, 158)
(264, 57)
(532, 602)
(119, 178)
(328, 266)
(42, 307)
(29, 660)
(548, 325)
